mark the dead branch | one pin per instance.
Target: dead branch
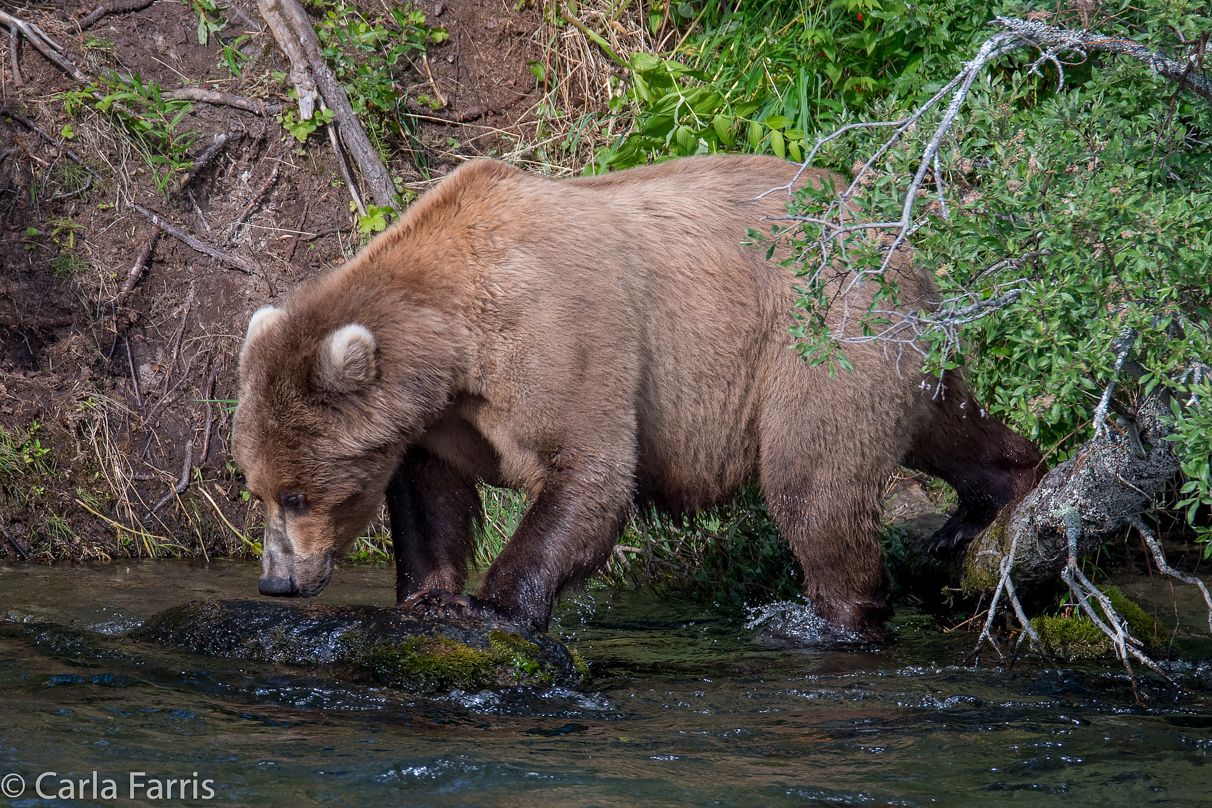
(294, 241)
(197, 94)
(14, 45)
(185, 238)
(252, 205)
(350, 182)
(294, 34)
(1055, 41)
(172, 363)
(288, 41)
(1053, 44)
(209, 154)
(16, 545)
(113, 7)
(207, 397)
(130, 360)
(44, 45)
(55, 143)
(136, 272)
(187, 466)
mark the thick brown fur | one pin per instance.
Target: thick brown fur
(594, 342)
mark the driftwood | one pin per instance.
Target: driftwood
(1093, 495)
(310, 73)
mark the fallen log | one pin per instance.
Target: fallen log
(1112, 479)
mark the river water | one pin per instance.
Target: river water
(686, 708)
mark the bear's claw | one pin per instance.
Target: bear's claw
(443, 603)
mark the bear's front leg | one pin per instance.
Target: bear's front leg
(433, 510)
(564, 537)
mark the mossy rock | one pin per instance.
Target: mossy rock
(1076, 636)
(389, 646)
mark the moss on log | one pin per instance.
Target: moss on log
(392, 647)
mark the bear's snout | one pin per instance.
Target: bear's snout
(277, 586)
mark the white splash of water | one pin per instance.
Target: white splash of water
(796, 623)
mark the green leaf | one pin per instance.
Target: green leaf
(755, 135)
(777, 144)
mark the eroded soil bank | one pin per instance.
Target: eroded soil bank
(110, 399)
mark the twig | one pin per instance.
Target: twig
(294, 242)
(16, 546)
(14, 45)
(1115, 626)
(113, 7)
(134, 377)
(1159, 558)
(187, 466)
(44, 45)
(253, 105)
(1082, 42)
(208, 395)
(172, 363)
(209, 154)
(185, 238)
(136, 272)
(1122, 347)
(256, 200)
(432, 83)
(168, 397)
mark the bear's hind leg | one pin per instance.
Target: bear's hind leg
(433, 510)
(987, 463)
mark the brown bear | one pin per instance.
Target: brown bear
(597, 342)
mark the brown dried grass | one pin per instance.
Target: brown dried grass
(581, 78)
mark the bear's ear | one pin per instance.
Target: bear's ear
(262, 319)
(346, 360)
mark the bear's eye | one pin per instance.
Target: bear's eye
(292, 502)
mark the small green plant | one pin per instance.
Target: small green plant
(301, 129)
(152, 122)
(375, 220)
(370, 56)
(22, 454)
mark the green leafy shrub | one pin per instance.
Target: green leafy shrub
(761, 77)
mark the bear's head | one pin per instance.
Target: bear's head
(317, 439)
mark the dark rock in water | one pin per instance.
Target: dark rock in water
(390, 646)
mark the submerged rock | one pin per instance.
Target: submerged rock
(390, 646)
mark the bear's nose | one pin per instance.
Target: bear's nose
(276, 586)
